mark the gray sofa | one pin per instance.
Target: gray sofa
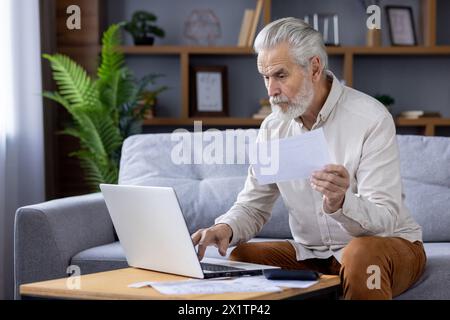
(51, 236)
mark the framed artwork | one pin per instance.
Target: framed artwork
(401, 25)
(209, 92)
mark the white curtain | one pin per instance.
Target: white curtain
(21, 124)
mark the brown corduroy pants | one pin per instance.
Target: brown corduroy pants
(371, 267)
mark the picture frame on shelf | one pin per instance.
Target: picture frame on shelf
(401, 25)
(209, 91)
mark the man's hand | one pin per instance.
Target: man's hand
(218, 235)
(333, 181)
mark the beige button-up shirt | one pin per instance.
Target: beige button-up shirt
(361, 136)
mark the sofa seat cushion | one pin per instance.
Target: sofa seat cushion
(433, 285)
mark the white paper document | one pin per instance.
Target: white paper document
(293, 157)
(213, 286)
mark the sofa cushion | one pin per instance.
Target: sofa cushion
(425, 171)
(147, 156)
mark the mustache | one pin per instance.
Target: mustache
(278, 99)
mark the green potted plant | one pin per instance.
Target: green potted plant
(105, 109)
(143, 29)
(148, 102)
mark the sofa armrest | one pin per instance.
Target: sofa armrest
(47, 235)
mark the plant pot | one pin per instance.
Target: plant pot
(144, 41)
(150, 114)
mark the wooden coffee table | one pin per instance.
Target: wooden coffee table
(114, 285)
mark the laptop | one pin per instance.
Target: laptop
(154, 235)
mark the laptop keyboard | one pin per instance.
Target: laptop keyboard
(217, 267)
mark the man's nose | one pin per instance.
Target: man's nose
(272, 88)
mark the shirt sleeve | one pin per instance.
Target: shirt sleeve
(375, 206)
(253, 206)
(251, 210)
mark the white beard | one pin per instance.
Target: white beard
(297, 107)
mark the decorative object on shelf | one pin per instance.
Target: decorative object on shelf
(148, 102)
(327, 24)
(143, 29)
(202, 27)
(265, 109)
(401, 25)
(209, 92)
(373, 37)
(416, 114)
(104, 110)
(385, 99)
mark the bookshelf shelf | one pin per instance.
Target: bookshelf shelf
(222, 121)
(170, 50)
(429, 124)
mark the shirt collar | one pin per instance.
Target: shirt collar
(332, 99)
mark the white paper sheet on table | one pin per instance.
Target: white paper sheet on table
(212, 286)
(297, 157)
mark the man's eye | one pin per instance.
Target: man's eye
(282, 76)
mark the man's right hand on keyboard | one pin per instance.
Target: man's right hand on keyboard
(218, 235)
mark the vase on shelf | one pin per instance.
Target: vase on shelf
(374, 37)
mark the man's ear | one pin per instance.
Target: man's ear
(316, 68)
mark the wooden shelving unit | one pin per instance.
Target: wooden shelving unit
(348, 53)
(428, 48)
(210, 121)
(178, 50)
(429, 124)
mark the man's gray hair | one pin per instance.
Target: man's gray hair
(304, 41)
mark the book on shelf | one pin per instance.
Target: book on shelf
(245, 27)
(416, 114)
(255, 21)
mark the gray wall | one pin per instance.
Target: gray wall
(414, 82)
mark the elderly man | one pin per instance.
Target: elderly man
(349, 218)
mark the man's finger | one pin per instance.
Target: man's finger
(204, 242)
(327, 193)
(329, 177)
(337, 169)
(196, 237)
(201, 249)
(326, 185)
(223, 246)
